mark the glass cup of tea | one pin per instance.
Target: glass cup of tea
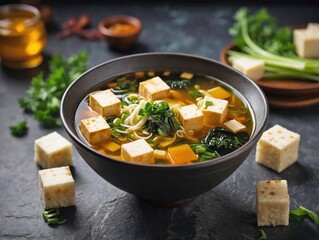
(22, 36)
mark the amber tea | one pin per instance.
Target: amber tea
(22, 36)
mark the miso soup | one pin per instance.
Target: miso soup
(164, 117)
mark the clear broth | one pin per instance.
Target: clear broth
(205, 83)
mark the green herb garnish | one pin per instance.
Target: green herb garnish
(194, 93)
(44, 95)
(258, 37)
(125, 86)
(161, 119)
(19, 128)
(301, 213)
(207, 104)
(262, 235)
(51, 217)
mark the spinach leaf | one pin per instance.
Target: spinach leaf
(161, 118)
(224, 141)
(178, 84)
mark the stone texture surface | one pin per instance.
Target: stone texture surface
(105, 212)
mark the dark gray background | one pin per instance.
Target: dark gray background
(105, 212)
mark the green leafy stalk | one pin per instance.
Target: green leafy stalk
(259, 51)
(273, 70)
(19, 128)
(44, 95)
(301, 213)
(258, 37)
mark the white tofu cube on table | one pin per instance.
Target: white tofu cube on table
(154, 89)
(53, 150)
(313, 27)
(278, 148)
(306, 41)
(191, 117)
(95, 130)
(235, 126)
(138, 151)
(105, 103)
(272, 203)
(253, 68)
(215, 112)
(57, 187)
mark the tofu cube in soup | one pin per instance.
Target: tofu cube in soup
(235, 126)
(191, 117)
(105, 103)
(57, 187)
(53, 150)
(154, 89)
(272, 203)
(277, 148)
(138, 151)
(95, 130)
(214, 110)
(186, 75)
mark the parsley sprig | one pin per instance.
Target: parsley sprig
(19, 128)
(44, 95)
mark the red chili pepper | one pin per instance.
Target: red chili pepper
(77, 26)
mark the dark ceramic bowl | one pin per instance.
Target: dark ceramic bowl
(123, 38)
(160, 183)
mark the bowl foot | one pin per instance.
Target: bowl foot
(168, 203)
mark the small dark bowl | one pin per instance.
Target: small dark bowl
(160, 183)
(120, 40)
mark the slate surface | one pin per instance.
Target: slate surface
(105, 212)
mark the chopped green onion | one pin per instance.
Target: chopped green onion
(197, 87)
(51, 217)
(160, 132)
(117, 122)
(124, 116)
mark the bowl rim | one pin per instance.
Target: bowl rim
(224, 158)
(137, 24)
